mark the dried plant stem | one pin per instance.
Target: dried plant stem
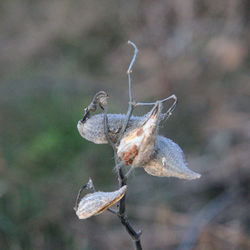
(166, 115)
(122, 182)
(131, 96)
(121, 177)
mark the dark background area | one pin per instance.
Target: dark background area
(56, 54)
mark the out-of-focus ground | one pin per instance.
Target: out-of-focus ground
(55, 55)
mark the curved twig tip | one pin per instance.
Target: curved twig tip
(134, 57)
(133, 44)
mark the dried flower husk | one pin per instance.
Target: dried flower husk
(97, 202)
(92, 129)
(137, 145)
(169, 161)
(100, 98)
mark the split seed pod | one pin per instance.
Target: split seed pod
(168, 158)
(137, 145)
(97, 202)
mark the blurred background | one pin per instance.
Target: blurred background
(56, 54)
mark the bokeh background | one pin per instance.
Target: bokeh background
(56, 54)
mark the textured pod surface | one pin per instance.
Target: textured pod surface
(97, 202)
(138, 144)
(169, 161)
(93, 128)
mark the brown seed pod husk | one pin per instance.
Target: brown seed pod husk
(137, 145)
(97, 202)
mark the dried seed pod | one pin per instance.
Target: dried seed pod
(169, 161)
(137, 145)
(97, 202)
(92, 129)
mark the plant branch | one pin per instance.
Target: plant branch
(101, 100)
(131, 97)
(106, 130)
(169, 111)
(122, 181)
(121, 177)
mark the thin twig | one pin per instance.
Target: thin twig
(113, 211)
(153, 103)
(88, 185)
(131, 97)
(121, 177)
(101, 99)
(122, 181)
(106, 129)
(169, 111)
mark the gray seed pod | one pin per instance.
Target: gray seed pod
(97, 202)
(169, 161)
(93, 128)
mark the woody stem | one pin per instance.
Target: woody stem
(122, 182)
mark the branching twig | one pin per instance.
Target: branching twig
(121, 177)
(122, 181)
(101, 99)
(131, 97)
(169, 111)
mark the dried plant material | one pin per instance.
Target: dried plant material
(135, 142)
(92, 129)
(169, 161)
(137, 145)
(100, 99)
(97, 202)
